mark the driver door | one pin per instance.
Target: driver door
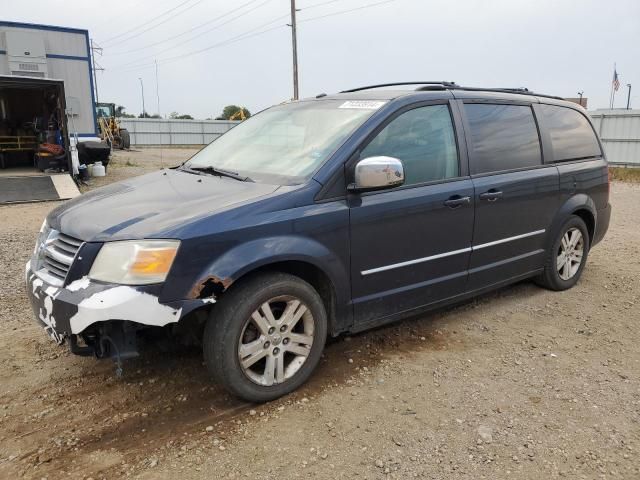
(410, 245)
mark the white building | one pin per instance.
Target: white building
(62, 53)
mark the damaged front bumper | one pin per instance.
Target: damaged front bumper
(83, 305)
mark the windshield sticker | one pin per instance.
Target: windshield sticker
(362, 104)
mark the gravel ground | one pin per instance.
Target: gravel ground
(521, 383)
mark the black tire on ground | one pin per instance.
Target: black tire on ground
(551, 278)
(125, 139)
(228, 322)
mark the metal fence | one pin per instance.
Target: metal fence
(619, 131)
(161, 131)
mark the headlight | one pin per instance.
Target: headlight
(42, 235)
(134, 262)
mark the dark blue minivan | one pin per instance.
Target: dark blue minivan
(322, 216)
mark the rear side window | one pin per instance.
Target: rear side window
(423, 138)
(571, 134)
(503, 137)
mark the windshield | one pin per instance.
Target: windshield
(286, 144)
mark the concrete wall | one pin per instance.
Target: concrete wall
(619, 131)
(160, 131)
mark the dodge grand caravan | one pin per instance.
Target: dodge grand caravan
(328, 215)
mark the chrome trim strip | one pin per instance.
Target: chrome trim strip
(451, 253)
(509, 239)
(413, 262)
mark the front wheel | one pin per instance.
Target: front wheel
(265, 337)
(567, 257)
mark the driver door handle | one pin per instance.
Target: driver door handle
(456, 201)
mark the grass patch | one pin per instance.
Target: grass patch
(129, 163)
(631, 175)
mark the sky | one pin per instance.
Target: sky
(212, 53)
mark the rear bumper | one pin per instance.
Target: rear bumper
(602, 223)
(70, 310)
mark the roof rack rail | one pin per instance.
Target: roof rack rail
(520, 91)
(517, 90)
(444, 84)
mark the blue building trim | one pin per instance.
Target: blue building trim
(67, 57)
(93, 97)
(51, 28)
(3, 52)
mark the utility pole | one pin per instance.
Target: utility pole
(295, 49)
(580, 93)
(142, 91)
(628, 95)
(94, 48)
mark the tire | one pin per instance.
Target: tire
(567, 275)
(239, 325)
(125, 139)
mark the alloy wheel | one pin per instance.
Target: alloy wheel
(276, 340)
(570, 253)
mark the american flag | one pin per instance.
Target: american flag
(616, 82)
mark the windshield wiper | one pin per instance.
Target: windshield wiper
(221, 172)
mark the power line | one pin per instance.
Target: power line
(230, 40)
(220, 17)
(137, 34)
(346, 11)
(246, 35)
(147, 22)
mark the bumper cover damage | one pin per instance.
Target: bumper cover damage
(72, 309)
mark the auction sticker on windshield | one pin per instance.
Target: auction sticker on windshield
(364, 104)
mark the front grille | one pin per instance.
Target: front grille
(55, 256)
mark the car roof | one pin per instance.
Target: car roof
(445, 90)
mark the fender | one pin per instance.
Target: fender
(242, 259)
(579, 201)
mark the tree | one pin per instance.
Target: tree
(177, 116)
(233, 111)
(120, 112)
(146, 115)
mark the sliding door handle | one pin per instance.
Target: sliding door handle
(491, 196)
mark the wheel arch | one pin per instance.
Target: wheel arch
(304, 258)
(580, 205)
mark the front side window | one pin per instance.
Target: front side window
(503, 137)
(423, 138)
(285, 144)
(571, 134)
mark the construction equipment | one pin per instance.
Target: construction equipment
(239, 115)
(109, 125)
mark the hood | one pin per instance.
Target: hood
(152, 205)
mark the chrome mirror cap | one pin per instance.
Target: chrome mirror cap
(378, 172)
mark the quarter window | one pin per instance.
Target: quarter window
(423, 138)
(503, 137)
(571, 134)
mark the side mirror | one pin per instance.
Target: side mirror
(376, 173)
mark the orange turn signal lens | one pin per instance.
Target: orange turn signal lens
(153, 261)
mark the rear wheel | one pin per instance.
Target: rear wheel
(125, 139)
(265, 337)
(567, 257)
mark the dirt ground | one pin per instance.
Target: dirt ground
(521, 383)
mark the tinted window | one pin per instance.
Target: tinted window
(423, 139)
(571, 134)
(503, 137)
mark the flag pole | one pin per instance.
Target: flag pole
(613, 92)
